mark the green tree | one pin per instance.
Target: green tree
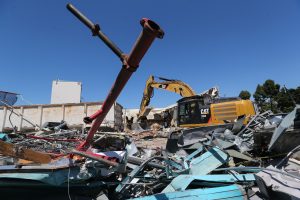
(244, 94)
(260, 95)
(266, 95)
(296, 95)
(286, 101)
(269, 96)
(271, 89)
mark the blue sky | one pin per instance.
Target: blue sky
(233, 44)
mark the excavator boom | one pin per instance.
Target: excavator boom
(176, 86)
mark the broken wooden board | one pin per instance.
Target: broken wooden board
(14, 151)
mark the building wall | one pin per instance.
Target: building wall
(65, 92)
(72, 113)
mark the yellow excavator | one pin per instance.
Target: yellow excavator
(195, 110)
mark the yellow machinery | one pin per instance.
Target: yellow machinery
(176, 86)
(195, 110)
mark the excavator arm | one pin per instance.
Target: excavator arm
(176, 86)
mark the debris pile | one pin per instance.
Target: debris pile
(200, 162)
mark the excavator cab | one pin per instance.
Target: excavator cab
(192, 110)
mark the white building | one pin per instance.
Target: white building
(65, 92)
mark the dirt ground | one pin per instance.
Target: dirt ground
(152, 143)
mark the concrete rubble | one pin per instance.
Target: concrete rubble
(258, 160)
(190, 163)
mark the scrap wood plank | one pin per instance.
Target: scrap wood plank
(24, 162)
(12, 150)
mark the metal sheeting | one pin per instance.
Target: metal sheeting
(208, 161)
(233, 192)
(181, 182)
(8, 98)
(283, 126)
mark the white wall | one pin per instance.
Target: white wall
(65, 92)
(73, 114)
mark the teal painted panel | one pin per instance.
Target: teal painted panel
(57, 177)
(232, 192)
(208, 161)
(181, 182)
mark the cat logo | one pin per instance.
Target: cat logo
(204, 111)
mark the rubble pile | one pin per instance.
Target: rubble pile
(196, 162)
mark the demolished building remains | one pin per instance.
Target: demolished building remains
(259, 159)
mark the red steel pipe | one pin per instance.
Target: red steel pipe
(130, 63)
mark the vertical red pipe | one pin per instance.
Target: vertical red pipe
(131, 62)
